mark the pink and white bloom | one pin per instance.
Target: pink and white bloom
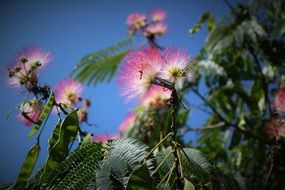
(157, 29)
(25, 65)
(32, 110)
(176, 64)
(104, 137)
(68, 92)
(136, 20)
(279, 101)
(158, 15)
(156, 97)
(138, 71)
(128, 122)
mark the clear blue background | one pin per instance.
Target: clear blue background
(70, 30)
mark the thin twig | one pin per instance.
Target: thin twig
(157, 145)
(248, 133)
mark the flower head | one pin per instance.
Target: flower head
(25, 65)
(158, 15)
(68, 92)
(138, 71)
(157, 29)
(105, 137)
(276, 128)
(176, 64)
(32, 111)
(156, 97)
(136, 20)
(279, 102)
(128, 122)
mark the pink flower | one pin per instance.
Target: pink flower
(156, 97)
(158, 15)
(136, 20)
(128, 122)
(279, 102)
(25, 65)
(176, 64)
(138, 71)
(32, 110)
(68, 92)
(157, 29)
(105, 137)
(276, 128)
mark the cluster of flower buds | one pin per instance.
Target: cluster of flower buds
(276, 127)
(25, 66)
(23, 72)
(151, 29)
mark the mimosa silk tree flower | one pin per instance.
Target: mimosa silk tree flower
(157, 29)
(32, 111)
(128, 122)
(138, 71)
(136, 20)
(104, 137)
(276, 128)
(68, 92)
(279, 102)
(24, 66)
(158, 15)
(177, 62)
(156, 98)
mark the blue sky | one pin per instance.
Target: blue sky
(70, 30)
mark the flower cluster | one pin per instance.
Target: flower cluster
(23, 72)
(156, 98)
(25, 66)
(155, 27)
(141, 69)
(276, 128)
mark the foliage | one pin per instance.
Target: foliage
(240, 97)
(242, 66)
(101, 66)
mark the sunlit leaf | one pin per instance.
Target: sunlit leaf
(47, 109)
(28, 166)
(101, 65)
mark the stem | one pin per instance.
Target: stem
(262, 77)
(160, 164)
(175, 105)
(157, 145)
(170, 171)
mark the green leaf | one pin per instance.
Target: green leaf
(67, 133)
(188, 185)
(47, 109)
(28, 166)
(195, 163)
(63, 134)
(207, 16)
(124, 157)
(140, 179)
(75, 160)
(101, 66)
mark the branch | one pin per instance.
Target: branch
(262, 77)
(247, 133)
